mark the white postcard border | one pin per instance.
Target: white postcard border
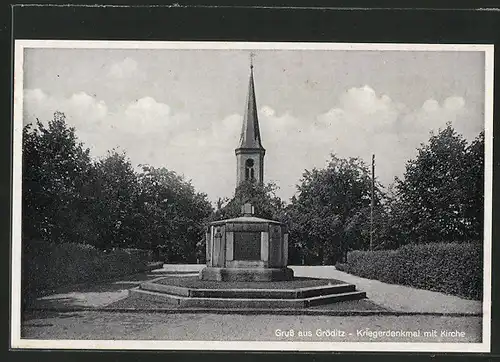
(18, 342)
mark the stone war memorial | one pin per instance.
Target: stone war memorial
(247, 249)
(247, 256)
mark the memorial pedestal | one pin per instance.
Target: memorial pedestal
(246, 269)
(247, 248)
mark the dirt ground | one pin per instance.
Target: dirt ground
(233, 327)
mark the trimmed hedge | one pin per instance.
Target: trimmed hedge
(47, 266)
(341, 267)
(451, 268)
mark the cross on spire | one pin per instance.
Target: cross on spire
(252, 55)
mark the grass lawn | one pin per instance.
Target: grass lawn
(195, 282)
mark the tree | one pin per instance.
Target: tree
(330, 214)
(440, 196)
(69, 198)
(172, 213)
(473, 210)
(263, 197)
(115, 202)
(56, 168)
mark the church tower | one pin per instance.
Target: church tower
(250, 153)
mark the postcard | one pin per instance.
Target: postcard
(252, 196)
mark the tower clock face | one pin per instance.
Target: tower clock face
(249, 163)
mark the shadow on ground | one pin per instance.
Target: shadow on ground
(125, 282)
(43, 314)
(88, 294)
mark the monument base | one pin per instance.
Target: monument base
(246, 274)
(298, 293)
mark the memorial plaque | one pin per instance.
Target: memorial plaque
(246, 245)
(275, 242)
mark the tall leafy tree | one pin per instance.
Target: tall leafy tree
(440, 196)
(473, 209)
(173, 213)
(56, 168)
(330, 214)
(115, 202)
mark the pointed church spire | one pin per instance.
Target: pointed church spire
(250, 132)
(250, 153)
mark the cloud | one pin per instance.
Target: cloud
(454, 103)
(37, 104)
(126, 68)
(206, 155)
(88, 115)
(34, 96)
(364, 100)
(268, 111)
(430, 105)
(434, 115)
(150, 133)
(365, 123)
(83, 105)
(146, 115)
(85, 110)
(98, 127)
(359, 123)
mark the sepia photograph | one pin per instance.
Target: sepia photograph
(252, 196)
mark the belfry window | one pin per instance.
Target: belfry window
(249, 170)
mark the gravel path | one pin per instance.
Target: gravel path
(397, 297)
(215, 327)
(394, 297)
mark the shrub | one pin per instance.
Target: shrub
(47, 266)
(451, 268)
(341, 267)
(141, 253)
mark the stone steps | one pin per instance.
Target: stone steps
(297, 293)
(246, 302)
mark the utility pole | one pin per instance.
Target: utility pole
(372, 202)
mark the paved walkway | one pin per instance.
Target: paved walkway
(395, 297)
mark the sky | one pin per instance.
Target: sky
(183, 109)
